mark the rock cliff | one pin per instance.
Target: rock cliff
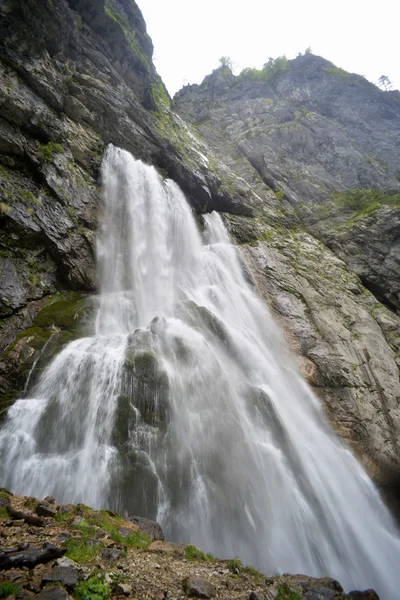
(279, 158)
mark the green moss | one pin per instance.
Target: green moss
(3, 514)
(63, 311)
(337, 72)
(279, 194)
(48, 151)
(64, 517)
(194, 553)
(366, 200)
(8, 588)
(160, 96)
(286, 593)
(112, 525)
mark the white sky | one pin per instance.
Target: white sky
(189, 36)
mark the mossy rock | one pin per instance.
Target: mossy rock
(125, 419)
(201, 317)
(63, 311)
(146, 385)
(59, 322)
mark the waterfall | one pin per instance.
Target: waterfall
(185, 406)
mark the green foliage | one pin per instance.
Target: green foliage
(285, 593)
(235, 564)
(80, 550)
(193, 553)
(92, 589)
(272, 66)
(48, 151)
(337, 72)
(3, 514)
(63, 517)
(252, 571)
(279, 194)
(366, 201)
(8, 588)
(226, 63)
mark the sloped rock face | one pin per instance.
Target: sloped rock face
(308, 132)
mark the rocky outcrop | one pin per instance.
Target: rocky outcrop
(102, 562)
(325, 258)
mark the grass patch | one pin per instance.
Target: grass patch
(48, 151)
(285, 593)
(8, 588)
(3, 514)
(366, 201)
(235, 564)
(194, 553)
(92, 589)
(63, 517)
(81, 551)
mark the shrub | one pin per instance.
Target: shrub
(92, 589)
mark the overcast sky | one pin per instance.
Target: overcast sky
(189, 36)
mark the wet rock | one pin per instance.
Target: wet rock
(150, 529)
(198, 587)
(46, 510)
(30, 557)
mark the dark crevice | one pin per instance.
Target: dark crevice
(377, 292)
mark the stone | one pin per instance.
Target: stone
(31, 557)
(124, 588)
(49, 500)
(128, 531)
(110, 554)
(150, 529)
(53, 593)
(256, 596)
(67, 575)
(198, 587)
(46, 510)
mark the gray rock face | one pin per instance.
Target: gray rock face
(310, 131)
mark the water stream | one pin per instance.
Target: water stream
(185, 406)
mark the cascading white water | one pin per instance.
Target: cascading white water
(185, 406)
